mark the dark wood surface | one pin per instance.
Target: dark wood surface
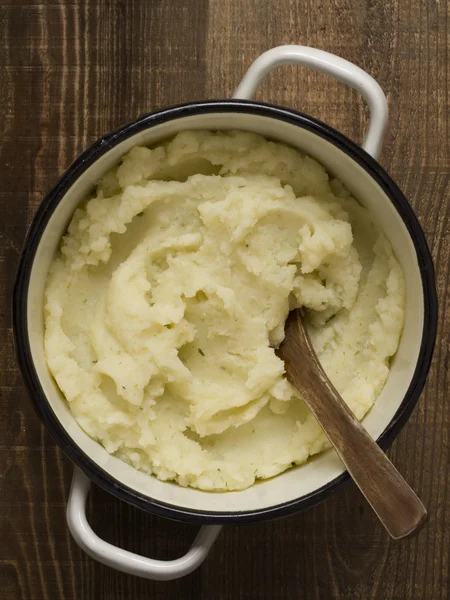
(71, 71)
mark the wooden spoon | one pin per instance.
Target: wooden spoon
(394, 502)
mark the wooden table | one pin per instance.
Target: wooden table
(71, 71)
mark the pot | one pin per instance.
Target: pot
(297, 488)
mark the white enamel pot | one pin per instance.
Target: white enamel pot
(297, 488)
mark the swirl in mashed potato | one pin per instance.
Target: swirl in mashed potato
(172, 287)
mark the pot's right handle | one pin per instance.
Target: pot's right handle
(122, 560)
(333, 65)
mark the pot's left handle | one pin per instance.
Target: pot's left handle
(125, 561)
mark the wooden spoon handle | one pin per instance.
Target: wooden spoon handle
(395, 503)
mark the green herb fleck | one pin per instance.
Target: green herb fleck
(94, 362)
(201, 352)
(140, 214)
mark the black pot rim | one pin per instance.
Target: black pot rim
(20, 298)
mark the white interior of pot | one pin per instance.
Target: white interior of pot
(316, 473)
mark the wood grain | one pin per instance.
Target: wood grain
(71, 71)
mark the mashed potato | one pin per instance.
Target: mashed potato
(172, 287)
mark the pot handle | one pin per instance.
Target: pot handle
(122, 560)
(333, 65)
